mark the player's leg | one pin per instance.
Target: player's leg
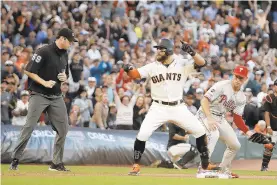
(212, 136)
(176, 153)
(37, 104)
(183, 118)
(189, 156)
(58, 116)
(153, 120)
(229, 137)
(268, 152)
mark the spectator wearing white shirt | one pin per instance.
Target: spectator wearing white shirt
(125, 111)
(214, 48)
(272, 77)
(261, 95)
(21, 109)
(94, 53)
(221, 28)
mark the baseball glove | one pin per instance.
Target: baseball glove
(259, 138)
(188, 48)
(127, 67)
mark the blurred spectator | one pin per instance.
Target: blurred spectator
(76, 68)
(125, 111)
(91, 86)
(85, 105)
(96, 96)
(110, 85)
(140, 110)
(94, 53)
(121, 80)
(262, 94)
(189, 100)
(66, 96)
(255, 85)
(75, 118)
(111, 120)
(119, 51)
(100, 68)
(5, 101)
(21, 109)
(101, 111)
(198, 97)
(272, 77)
(9, 69)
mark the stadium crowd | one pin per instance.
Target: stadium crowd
(98, 93)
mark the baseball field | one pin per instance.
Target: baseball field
(112, 175)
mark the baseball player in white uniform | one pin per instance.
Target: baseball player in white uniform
(225, 96)
(168, 76)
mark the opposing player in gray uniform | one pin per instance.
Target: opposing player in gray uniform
(224, 96)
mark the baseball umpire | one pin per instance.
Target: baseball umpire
(270, 116)
(46, 71)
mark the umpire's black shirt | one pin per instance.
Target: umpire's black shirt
(47, 63)
(173, 129)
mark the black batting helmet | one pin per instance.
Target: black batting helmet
(166, 44)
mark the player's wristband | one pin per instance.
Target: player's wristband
(268, 127)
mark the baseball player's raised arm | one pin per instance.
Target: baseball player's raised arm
(116, 99)
(199, 61)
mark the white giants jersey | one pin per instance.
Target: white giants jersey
(223, 99)
(167, 83)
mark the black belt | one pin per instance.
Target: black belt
(173, 103)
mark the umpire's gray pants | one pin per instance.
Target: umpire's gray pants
(56, 110)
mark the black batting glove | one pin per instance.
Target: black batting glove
(188, 49)
(127, 67)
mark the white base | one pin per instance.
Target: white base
(212, 174)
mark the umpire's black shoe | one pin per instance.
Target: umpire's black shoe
(14, 164)
(58, 167)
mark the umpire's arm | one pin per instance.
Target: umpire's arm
(33, 68)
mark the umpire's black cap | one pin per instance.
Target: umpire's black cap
(67, 33)
(166, 44)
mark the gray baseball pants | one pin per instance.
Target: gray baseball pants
(56, 110)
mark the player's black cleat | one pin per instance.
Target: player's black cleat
(14, 164)
(58, 167)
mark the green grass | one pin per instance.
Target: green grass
(95, 175)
